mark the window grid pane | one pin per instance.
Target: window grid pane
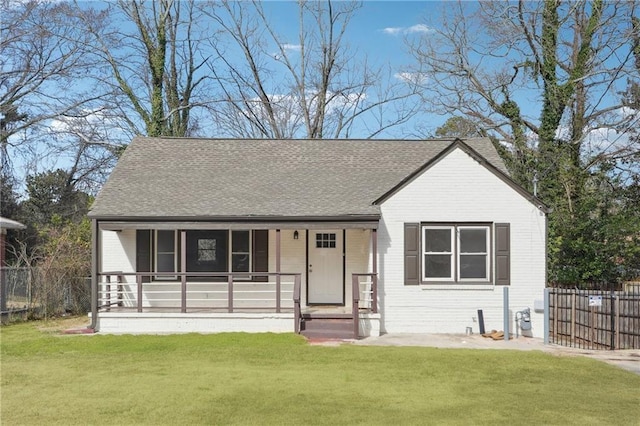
(473, 266)
(326, 240)
(207, 250)
(473, 253)
(165, 257)
(437, 266)
(473, 240)
(240, 251)
(437, 253)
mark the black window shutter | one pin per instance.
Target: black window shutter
(411, 253)
(503, 256)
(143, 253)
(261, 253)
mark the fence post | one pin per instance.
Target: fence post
(613, 318)
(546, 316)
(556, 299)
(3, 288)
(592, 328)
(573, 317)
(617, 322)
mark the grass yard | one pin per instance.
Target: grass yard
(248, 379)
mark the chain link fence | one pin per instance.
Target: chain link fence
(37, 293)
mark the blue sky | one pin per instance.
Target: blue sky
(366, 31)
(378, 30)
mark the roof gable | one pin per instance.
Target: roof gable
(459, 144)
(160, 178)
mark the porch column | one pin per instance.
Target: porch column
(278, 271)
(95, 268)
(374, 269)
(183, 269)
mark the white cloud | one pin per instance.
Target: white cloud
(392, 30)
(411, 77)
(294, 47)
(418, 28)
(414, 29)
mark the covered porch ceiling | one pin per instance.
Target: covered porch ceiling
(242, 224)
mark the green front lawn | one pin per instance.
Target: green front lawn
(279, 379)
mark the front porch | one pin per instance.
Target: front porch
(174, 277)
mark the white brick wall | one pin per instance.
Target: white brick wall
(292, 254)
(459, 189)
(118, 252)
(357, 257)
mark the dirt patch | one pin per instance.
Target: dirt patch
(59, 325)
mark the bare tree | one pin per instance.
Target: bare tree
(41, 58)
(312, 87)
(540, 76)
(90, 147)
(150, 64)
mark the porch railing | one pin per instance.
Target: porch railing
(198, 291)
(365, 297)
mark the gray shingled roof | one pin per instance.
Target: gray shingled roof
(208, 178)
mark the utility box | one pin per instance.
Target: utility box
(538, 306)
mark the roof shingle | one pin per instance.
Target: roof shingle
(208, 178)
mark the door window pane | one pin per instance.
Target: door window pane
(326, 240)
(207, 250)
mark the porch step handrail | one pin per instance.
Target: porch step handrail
(355, 290)
(297, 311)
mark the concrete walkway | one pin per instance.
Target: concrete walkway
(626, 359)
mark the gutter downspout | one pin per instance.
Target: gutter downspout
(94, 274)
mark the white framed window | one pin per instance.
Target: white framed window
(240, 251)
(456, 253)
(165, 254)
(437, 252)
(473, 253)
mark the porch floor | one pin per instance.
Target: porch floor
(120, 320)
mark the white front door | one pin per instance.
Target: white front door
(326, 275)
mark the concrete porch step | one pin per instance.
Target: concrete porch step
(326, 326)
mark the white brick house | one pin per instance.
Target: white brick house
(215, 235)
